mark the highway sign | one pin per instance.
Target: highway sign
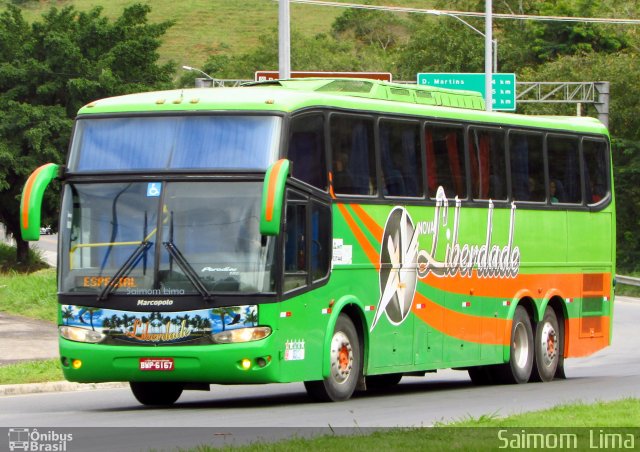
(274, 75)
(504, 85)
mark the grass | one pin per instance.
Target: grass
(622, 413)
(479, 434)
(28, 294)
(31, 372)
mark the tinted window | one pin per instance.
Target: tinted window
(401, 160)
(527, 167)
(446, 165)
(353, 158)
(488, 164)
(180, 142)
(307, 150)
(564, 169)
(596, 173)
(320, 240)
(295, 245)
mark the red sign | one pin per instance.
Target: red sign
(162, 364)
(262, 76)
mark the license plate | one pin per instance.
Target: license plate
(161, 364)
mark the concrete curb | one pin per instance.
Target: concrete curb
(56, 386)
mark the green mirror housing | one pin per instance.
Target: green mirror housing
(31, 202)
(273, 197)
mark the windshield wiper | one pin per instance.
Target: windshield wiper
(188, 270)
(124, 269)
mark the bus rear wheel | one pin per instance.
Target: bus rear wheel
(346, 365)
(548, 345)
(520, 365)
(155, 394)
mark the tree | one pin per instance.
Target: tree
(48, 70)
(441, 44)
(318, 53)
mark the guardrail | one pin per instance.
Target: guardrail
(628, 280)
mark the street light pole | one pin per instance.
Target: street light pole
(488, 50)
(494, 41)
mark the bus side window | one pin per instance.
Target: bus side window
(446, 164)
(307, 150)
(401, 158)
(295, 256)
(564, 169)
(321, 245)
(488, 165)
(596, 169)
(353, 158)
(527, 167)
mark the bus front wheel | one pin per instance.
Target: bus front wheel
(346, 365)
(154, 394)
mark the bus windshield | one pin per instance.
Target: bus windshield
(175, 142)
(164, 238)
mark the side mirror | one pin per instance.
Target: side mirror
(273, 197)
(31, 202)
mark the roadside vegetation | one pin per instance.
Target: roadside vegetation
(28, 294)
(31, 372)
(474, 434)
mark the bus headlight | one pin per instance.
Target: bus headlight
(80, 334)
(241, 335)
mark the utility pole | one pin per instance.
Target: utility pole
(488, 52)
(284, 40)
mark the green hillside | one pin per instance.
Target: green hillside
(203, 26)
(206, 27)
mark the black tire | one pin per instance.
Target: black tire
(548, 347)
(155, 394)
(521, 359)
(382, 382)
(346, 365)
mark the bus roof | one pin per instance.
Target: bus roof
(356, 94)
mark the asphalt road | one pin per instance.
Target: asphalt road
(236, 414)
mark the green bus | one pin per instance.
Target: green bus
(337, 232)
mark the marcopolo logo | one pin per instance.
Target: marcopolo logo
(34, 440)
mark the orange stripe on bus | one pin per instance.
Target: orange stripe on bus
(26, 198)
(539, 285)
(371, 225)
(331, 192)
(581, 339)
(271, 191)
(471, 328)
(368, 249)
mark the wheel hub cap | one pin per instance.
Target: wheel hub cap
(549, 344)
(341, 357)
